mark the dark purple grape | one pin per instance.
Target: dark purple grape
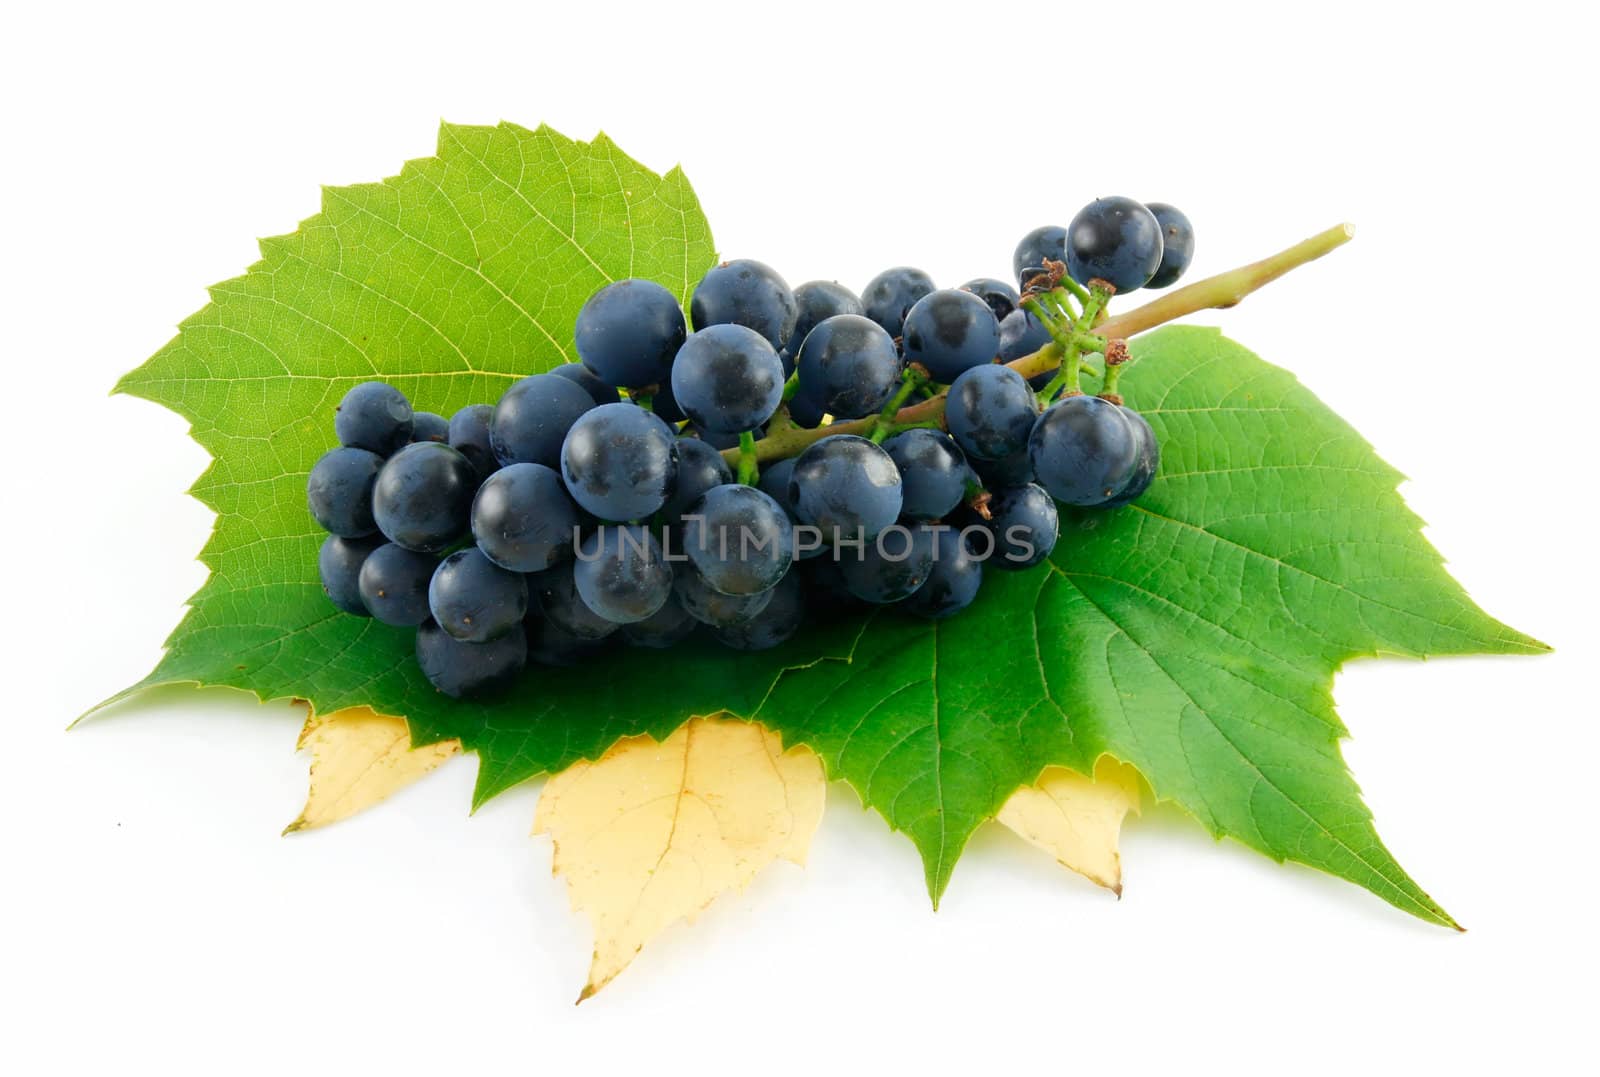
(533, 418)
(1001, 297)
(339, 564)
(953, 581)
(589, 381)
(1047, 241)
(933, 473)
(1084, 450)
(339, 491)
(990, 412)
(464, 670)
(474, 599)
(469, 436)
(375, 417)
(748, 293)
(423, 497)
(394, 585)
(1177, 244)
(781, 618)
(888, 296)
(1116, 240)
(627, 334)
(1025, 526)
(426, 426)
(951, 331)
(523, 519)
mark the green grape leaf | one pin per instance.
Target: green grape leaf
(1193, 635)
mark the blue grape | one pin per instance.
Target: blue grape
(738, 539)
(1013, 470)
(523, 519)
(890, 568)
(825, 585)
(551, 645)
(1045, 242)
(580, 375)
(950, 331)
(1001, 297)
(463, 670)
(748, 293)
(474, 599)
(339, 563)
(620, 462)
(1021, 334)
(780, 619)
(933, 473)
(888, 296)
(663, 628)
(628, 333)
(469, 436)
(375, 417)
(423, 498)
(990, 412)
(716, 438)
(1116, 240)
(774, 482)
(700, 467)
(426, 426)
(1025, 526)
(622, 574)
(953, 580)
(817, 301)
(394, 585)
(806, 411)
(727, 379)
(712, 607)
(1149, 461)
(848, 366)
(534, 416)
(1084, 450)
(846, 486)
(665, 405)
(1177, 243)
(339, 491)
(555, 592)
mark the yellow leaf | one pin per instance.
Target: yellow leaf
(1076, 819)
(359, 757)
(652, 833)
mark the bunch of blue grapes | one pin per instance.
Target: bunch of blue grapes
(601, 503)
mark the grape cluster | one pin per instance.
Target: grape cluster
(595, 503)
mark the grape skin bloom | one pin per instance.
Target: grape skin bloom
(620, 462)
(846, 486)
(727, 379)
(474, 599)
(621, 573)
(423, 497)
(951, 331)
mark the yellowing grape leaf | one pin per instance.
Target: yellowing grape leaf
(652, 832)
(1076, 819)
(358, 758)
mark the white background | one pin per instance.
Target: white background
(150, 916)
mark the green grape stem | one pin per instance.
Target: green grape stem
(1214, 293)
(747, 458)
